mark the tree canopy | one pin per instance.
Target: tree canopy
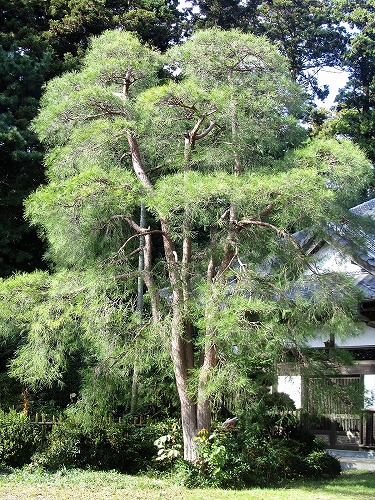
(215, 153)
(307, 32)
(355, 117)
(39, 40)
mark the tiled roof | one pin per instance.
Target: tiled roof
(360, 241)
(366, 209)
(357, 242)
(366, 283)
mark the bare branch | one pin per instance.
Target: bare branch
(269, 208)
(225, 214)
(174, 101)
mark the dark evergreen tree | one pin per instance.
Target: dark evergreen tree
(308, 33)
(356, 101)
(25, 63)
(226, 14)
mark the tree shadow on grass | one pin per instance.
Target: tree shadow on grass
(5, 471)
(353, 484)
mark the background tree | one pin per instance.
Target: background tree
(207, 156)
(226, 14)
(308, 33)
(26, 62)
(356, 101)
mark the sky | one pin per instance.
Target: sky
(336, 80)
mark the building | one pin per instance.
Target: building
(339, 425)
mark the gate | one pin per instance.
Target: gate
(331, 406)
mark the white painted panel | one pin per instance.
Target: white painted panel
(292, 386)
(369, 382)
(365, 338)
(318, 341)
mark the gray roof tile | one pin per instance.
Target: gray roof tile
(366, 283)
(365, 209)
(361, 242)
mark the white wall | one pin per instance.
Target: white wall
(366, 339)
(291, 385)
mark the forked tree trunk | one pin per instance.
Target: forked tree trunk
(182, 352)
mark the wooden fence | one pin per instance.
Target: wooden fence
(140, 420)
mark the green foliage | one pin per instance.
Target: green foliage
(320, 464)
(101, 443)
(122, 52)
(340, 163)
(19, 438)
(355, 102)
(39, 40)
(306, 32)
(246, 456)
(226, 14)
(170, 445)
(83, 214)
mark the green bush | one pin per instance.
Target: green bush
(101, 444)
(320, 464)
(19, 438)
(268, 447)
(245, 456)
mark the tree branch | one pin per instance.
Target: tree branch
(205, 132)
(143, 232)
(269, 208)
(282, 232)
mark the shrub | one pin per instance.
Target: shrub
(100, 444)
(320, 464)
(19, 438)
(169, 445)
(235, 458)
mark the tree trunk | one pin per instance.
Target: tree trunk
(204, 404)
(134, 394)
(181, 347)
(180, 352)
(141, 266)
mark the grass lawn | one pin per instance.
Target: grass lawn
(78, 484)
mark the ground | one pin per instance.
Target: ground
(91, 485)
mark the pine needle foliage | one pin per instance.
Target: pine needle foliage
(216, 155)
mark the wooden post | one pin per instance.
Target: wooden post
(25, 402)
